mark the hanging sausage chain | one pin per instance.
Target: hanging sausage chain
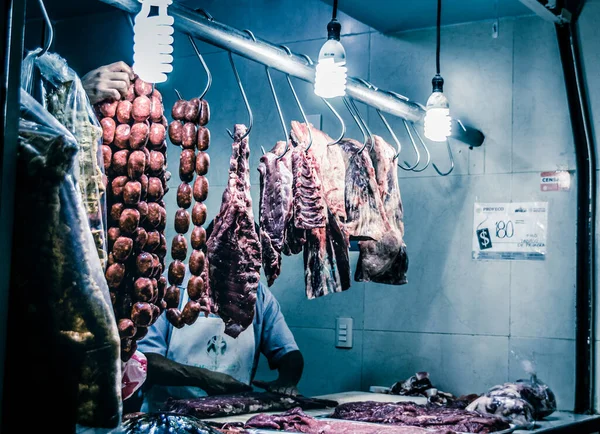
(188, 130)
(135, 154)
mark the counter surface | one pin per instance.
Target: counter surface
(558, 422)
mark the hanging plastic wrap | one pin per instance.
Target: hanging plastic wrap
(60, 91)
(68, 344)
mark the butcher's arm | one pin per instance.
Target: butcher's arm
(166, 372)
(280, 348)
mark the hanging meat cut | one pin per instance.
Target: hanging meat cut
(275, 207)
(385, 260)
(366, 219)
(308, 202)
(326, 247)
(234, 250)
(329, 163)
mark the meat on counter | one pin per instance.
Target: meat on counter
(411, 414)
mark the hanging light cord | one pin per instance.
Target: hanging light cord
(334, 14)
(439, 23)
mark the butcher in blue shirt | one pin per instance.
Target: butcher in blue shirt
(200, 359)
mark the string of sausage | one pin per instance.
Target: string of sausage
(188, 129)
(134, 150)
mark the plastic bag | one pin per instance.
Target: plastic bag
(68, 343)
(61, 93)
(134, 374)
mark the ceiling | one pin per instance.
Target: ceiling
(397, 15)
(382, 15)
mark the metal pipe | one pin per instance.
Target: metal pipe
(585, 154)
(236, 41)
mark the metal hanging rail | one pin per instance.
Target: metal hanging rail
(238, 42)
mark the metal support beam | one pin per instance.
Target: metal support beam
(220, 35)
(585, 154)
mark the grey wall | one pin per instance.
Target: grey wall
(468, 323)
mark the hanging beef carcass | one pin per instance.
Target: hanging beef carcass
(234, 251)
(385, 260)
(275, 207)
(366, 218)
(326, 256)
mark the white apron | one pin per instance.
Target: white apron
(204, 344)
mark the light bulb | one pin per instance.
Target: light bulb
(331, 71)
(438, 123)
(152, 42)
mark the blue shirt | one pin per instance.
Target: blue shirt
(272, 335)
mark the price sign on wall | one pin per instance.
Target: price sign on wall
(510, 231)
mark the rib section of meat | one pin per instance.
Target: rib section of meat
(329, 164)
(275, 207)
(234, 250)
(411, 414)
(385, 260)
(308, 202)
(366, 218)
(243, 403)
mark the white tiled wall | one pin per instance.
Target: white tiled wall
(468, 323)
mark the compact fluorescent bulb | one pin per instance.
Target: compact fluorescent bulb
(438, 123)
(331, 71)
(152, 42)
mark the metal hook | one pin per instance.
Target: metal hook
(49, 30)
(362, 121)
(424, 146)
(451, 161)
(414, 145)
(208, 16)
(362, 130)
(333, 110)
(289, 80)
(241, 86)
(387, 125)
(178, 94)
(285, 132)
(204, 65)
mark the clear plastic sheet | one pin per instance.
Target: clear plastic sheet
(62, 94)
(69, 354)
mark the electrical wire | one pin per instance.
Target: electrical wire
(439, 25)
(334, 15)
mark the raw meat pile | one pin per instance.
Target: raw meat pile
(411, 414)
(134, 150)
(521, 402)
(243, 403)
(234, 250)
(295, 420)
(315, 200)
(188, 130)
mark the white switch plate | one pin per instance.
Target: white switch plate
(343, 333)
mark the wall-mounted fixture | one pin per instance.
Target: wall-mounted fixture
(331, 71)
(153, 41)
(438, 124)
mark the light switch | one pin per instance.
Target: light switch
(343, 333)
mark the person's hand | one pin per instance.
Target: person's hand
(108, 82)
(218, 383)
(277, 387)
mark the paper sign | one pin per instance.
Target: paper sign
(510, 231)
(555, 181)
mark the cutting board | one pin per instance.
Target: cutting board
(341, 398)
